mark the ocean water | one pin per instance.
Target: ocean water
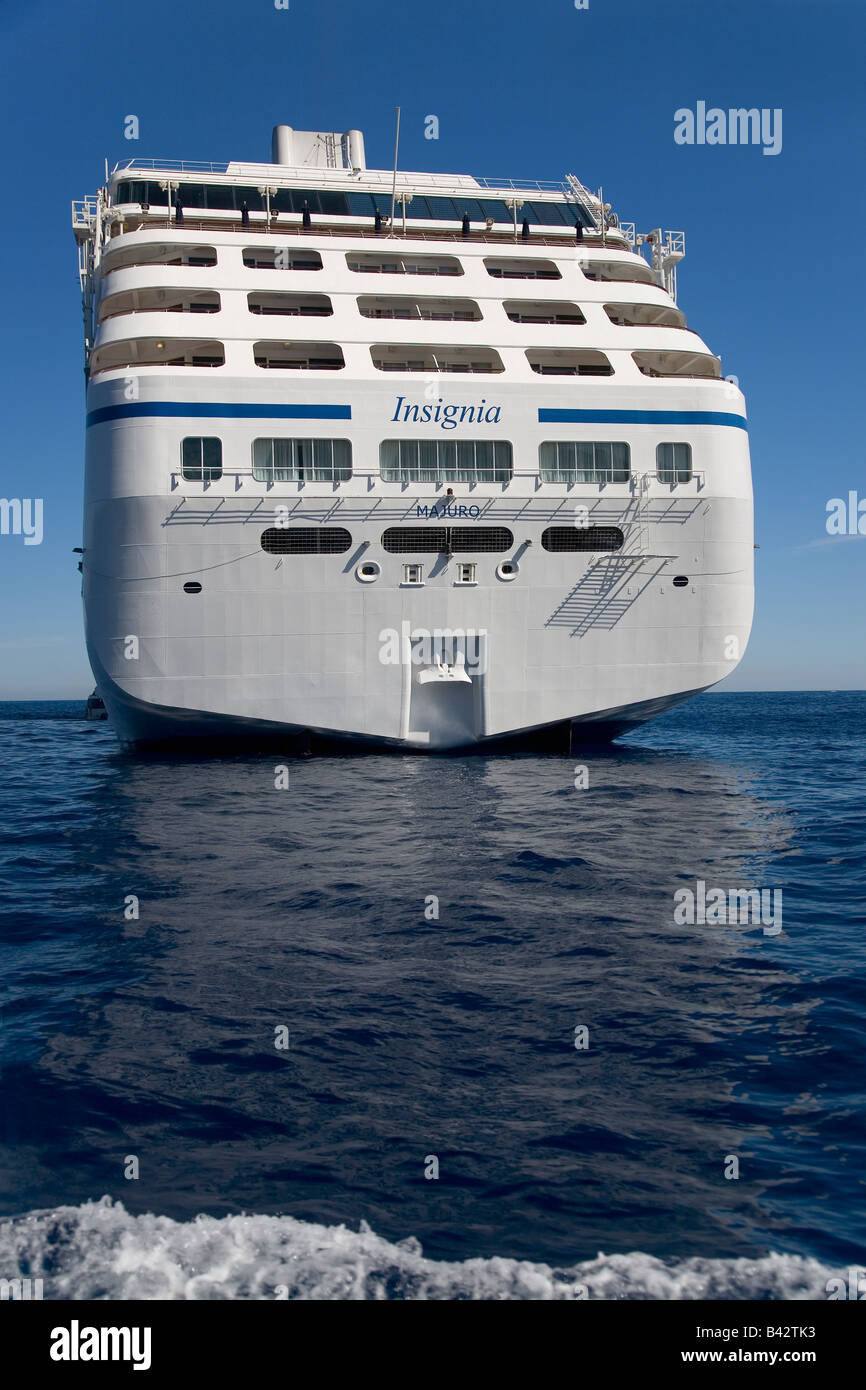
(426, 934)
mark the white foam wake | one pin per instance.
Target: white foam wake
(99, 1250)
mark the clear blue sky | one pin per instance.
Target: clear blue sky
(773, 278)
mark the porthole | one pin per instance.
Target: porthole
(681, 581)
(509, 569)
(369, 571)
(192, 587)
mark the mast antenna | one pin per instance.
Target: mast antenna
(394, 183)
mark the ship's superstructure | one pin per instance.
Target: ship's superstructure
(415, 460)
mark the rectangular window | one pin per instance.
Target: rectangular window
(361, 204)
(397, 265)
(541, 311)
(674, 463)
(466, 573)
(281, 258)
(122, 257)
(469, 207)
(404, 307)
(310, 305)
(568, 362)
(302, 460)
(138, 191)
(202, 459)
(437, 357)
(584, 461)
(551, 214)
(440, 209)
(445, 461)
(516, 268)
(299, 357)
(413, 574)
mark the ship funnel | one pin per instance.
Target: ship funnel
(281, 145)
(318, 149)
(353, 142)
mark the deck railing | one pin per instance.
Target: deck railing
(259, 224)
(636, 483)
(274, 173)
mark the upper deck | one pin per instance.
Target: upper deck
(320, 180)
(189, 237)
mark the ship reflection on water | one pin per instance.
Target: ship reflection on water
(433, 935)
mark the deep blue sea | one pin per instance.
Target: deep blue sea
(707, 1141)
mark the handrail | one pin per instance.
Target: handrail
(277, 172)
(84, 210)
(697, 476)
(174, 165)
(541, 185)
(633, 482)
(259, 225)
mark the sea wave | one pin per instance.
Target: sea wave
(99, 1250)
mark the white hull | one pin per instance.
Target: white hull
(296, 642)
(142, 725)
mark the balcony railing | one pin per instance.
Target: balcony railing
(290, 224)
(636, 483)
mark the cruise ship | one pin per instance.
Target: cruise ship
(413, 461)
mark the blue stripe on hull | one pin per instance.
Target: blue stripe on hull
(239, 411)
(209, 410)
(642, 417)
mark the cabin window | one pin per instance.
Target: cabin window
(564, 538)
(120, 257)
(432, 310)
(299, 357)
(539, 311)
(568, 362)
(394, 264)
(413, 574)
(281, 258)
(634, 269)
(445, 460)
(445, 357)
(157, 352)
(306, 540)
(466, 572)
(694, 364)
(674, 463)
(302, 305)
(159, 301)
(584, 461)
(645, 315)
(201, 459)
(302, 460)
(520, 268)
